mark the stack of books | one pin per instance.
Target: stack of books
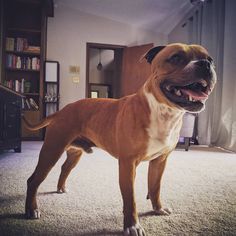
(33, 49)
(20, 45)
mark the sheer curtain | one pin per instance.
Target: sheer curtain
(211, 25)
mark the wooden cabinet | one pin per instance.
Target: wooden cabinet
(24, 53)
(10, 119)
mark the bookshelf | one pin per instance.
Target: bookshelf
(23, 54)
(51, 87)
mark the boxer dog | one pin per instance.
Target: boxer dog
(143, 126)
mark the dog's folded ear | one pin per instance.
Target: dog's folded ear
(149, 55)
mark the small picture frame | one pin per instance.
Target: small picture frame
(94, 94)
(51, 71)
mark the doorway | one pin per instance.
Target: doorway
(113, 71)
(103, 70)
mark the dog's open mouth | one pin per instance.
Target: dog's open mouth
(191, 96)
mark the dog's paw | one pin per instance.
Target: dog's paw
(135, 230)
(32, 214)
(163, 211)
(62, 190)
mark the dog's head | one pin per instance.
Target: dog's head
(183, 75)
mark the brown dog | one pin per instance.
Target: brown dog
(141, 127)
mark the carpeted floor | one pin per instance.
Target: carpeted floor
(199, 186)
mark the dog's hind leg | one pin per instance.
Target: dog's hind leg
(73, 157)
(48, 157)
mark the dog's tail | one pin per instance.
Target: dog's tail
(45, 122)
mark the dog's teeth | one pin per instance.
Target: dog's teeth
(203, 83)
(190, 98)
(177, 92)
(168, 88)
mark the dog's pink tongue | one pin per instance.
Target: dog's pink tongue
(195, 95)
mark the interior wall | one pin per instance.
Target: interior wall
(104, 76)
(69, 31)
(179, 34)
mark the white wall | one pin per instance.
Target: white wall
(68, 33)
(179, 34)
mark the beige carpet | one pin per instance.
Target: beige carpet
(199, 186)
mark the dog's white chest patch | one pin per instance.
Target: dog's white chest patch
(164, 128)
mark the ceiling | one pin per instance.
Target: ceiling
(156, 15)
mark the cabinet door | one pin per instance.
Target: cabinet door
(12, 120)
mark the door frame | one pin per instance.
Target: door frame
(90, 45)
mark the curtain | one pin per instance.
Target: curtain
(209, 27)
(226, 136)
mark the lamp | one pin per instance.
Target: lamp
(99, 66)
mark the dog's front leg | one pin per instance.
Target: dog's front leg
(127, 172)
(155, 172)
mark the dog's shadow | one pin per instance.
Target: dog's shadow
(147, 214)
(47, 193)
(105, 232)
(20, 216)
(15, 216)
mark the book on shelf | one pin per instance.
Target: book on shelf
(33, 104)
(33, 49)
(30, 104)
(27, 104)
(35, 63)
(21, 44)
(10, 44)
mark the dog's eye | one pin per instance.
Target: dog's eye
(211, 61)
(176, 59)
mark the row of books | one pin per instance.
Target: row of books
(20, 45)
(29, 104)
(20, 86)
(21, 62)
